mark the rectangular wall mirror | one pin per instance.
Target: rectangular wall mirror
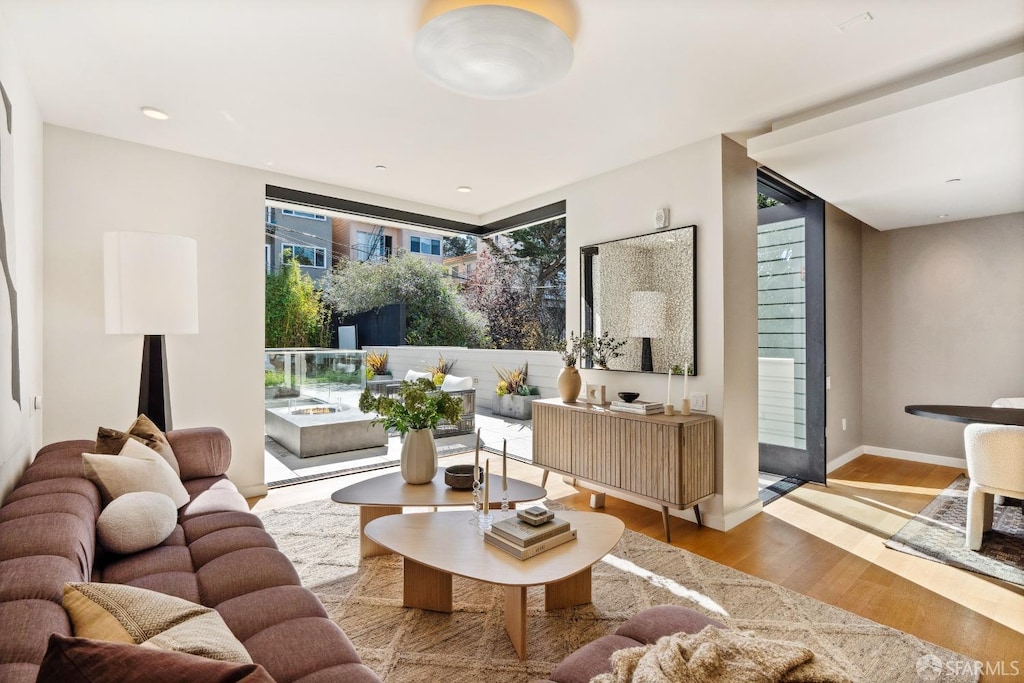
(641, 291)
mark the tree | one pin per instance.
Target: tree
(540, 251)
(296, 316)
(436, 315)
(503, 292)
(458, 245)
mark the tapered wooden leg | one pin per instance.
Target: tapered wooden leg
(696, 513)
(368, 513)
(426, 588)
(568, 592)
(544, 479)
(664, 521)
(515, 618)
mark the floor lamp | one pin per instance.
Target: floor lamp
(151, 287)
(647, 321)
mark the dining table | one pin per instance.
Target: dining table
(970, 414)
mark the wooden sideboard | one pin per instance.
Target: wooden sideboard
(669, 460)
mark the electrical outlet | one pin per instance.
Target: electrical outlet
(699, 402)
(828, 382)
(476, 380)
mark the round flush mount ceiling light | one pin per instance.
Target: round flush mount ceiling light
(493, 51)
(154, 113)
(463, 188)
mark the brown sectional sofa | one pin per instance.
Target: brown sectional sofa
(218, 555)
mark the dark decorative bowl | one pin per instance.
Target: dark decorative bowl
(460, 477)
(629, 396)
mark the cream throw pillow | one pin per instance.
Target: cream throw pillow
(412, 376)
(135, 468)
(453, 383)
(136, 521)
(110, 441)
(126, 614)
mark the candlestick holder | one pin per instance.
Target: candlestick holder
(477, 503)
(485, 522)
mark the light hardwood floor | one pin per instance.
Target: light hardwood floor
(825, 542)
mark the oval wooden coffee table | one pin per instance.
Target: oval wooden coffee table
(436, 545)
(389, 493)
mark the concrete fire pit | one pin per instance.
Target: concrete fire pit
(318, 429)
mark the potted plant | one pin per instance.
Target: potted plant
(513, 397)
(377, 365)
(569, 381)
(439, 369)
(417, 410)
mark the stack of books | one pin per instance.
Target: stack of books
(638, 407)
(523, 539)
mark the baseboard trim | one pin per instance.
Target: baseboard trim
(845, 458)
(914, 456)
(737, 517)
(254, 491)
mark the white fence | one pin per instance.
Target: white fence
(479, 364)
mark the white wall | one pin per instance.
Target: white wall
(943, 315)
(21, 428)
(96, 184)
(710, 184)
(843, 330)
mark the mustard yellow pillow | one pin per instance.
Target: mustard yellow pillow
(126, 614)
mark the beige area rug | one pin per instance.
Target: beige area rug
(470, 644)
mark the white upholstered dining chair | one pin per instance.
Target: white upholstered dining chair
(995, 464)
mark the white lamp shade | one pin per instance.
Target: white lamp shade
(151, 283)
(492, 51)
(646, 314)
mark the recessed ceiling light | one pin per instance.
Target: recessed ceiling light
(953, 180)
(269, 163)
(154, 113)
(381, 167)
(943, 215)
(463, 188)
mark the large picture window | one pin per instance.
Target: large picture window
(313, 257)
(304, 214)
(424, 245)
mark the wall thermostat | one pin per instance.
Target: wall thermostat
(661, 218)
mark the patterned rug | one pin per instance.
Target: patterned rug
(938, 533)
(470, 644)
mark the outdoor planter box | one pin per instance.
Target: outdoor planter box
(515, 406)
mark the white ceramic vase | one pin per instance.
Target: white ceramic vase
(419, 456)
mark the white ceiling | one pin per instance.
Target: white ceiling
(327, 89)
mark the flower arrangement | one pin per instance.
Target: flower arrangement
(576, 346)
(603, 348)
(419, 406)
(439, 369)
(512, 381)
(376, 364)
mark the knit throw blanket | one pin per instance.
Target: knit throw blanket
(722, 656)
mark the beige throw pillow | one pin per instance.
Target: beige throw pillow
(110, 441)
(126, 614)
(135, 468)
(136, 521)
